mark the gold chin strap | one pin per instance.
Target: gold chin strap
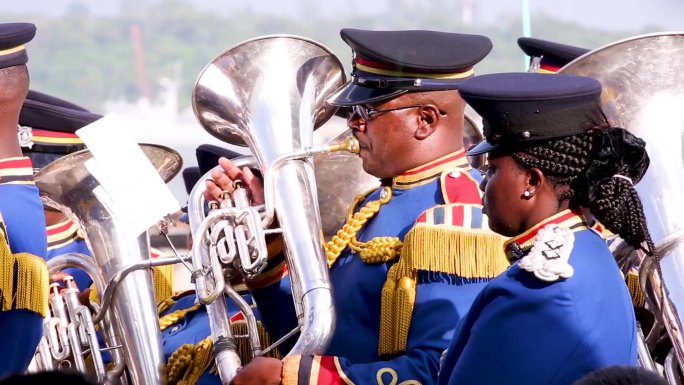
(378, 249)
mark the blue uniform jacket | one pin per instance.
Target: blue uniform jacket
(441, 299)
(522, 330)
(23, 273)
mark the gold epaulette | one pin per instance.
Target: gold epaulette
(444, 248)
(31, 277)
(162, 276)
(635, 292)
(163, 281)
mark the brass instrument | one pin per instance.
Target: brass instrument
(643, 91)
(269, 94)
(127, 313)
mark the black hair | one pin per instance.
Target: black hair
(597, 170)
(621, 375)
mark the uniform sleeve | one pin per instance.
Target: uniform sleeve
(23, 239)
(21, 208)
(441, 301)
(511, 328)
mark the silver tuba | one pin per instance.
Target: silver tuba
(127, 313)
(269, 94)
(643, 91)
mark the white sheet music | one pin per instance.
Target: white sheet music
(136, 193)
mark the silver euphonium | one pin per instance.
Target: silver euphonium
(127, 314)
(269, 94)
(643, 91)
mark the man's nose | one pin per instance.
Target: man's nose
(483, 184)
(355, 123)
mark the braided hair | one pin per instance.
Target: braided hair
(596, 170)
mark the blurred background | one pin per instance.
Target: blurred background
(142, 57)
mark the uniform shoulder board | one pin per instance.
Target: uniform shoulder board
(460, 186)
(548, 258)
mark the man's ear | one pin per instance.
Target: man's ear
(428, 118)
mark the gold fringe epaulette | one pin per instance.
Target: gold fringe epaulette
(458, 251)
(635, 292)
(163, 281)
(93, 296)
(31, 280)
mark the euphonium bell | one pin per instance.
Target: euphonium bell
(269, 94)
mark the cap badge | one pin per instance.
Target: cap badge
(25, 135)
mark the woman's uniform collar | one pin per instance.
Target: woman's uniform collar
(517, 246)
(430, 171)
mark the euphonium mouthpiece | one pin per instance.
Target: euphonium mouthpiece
(351, 144)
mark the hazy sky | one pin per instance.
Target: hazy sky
(606, 15)
(601, 14)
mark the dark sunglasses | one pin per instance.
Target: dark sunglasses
(367, 114)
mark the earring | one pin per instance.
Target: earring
(526, 194)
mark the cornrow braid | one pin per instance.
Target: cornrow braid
(613, 201)
(562, 161)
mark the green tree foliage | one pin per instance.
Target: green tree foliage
(90, 59)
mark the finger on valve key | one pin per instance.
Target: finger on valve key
(58, 277)
(222, 180)
(254, 186)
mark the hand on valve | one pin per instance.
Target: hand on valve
(224, 181)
